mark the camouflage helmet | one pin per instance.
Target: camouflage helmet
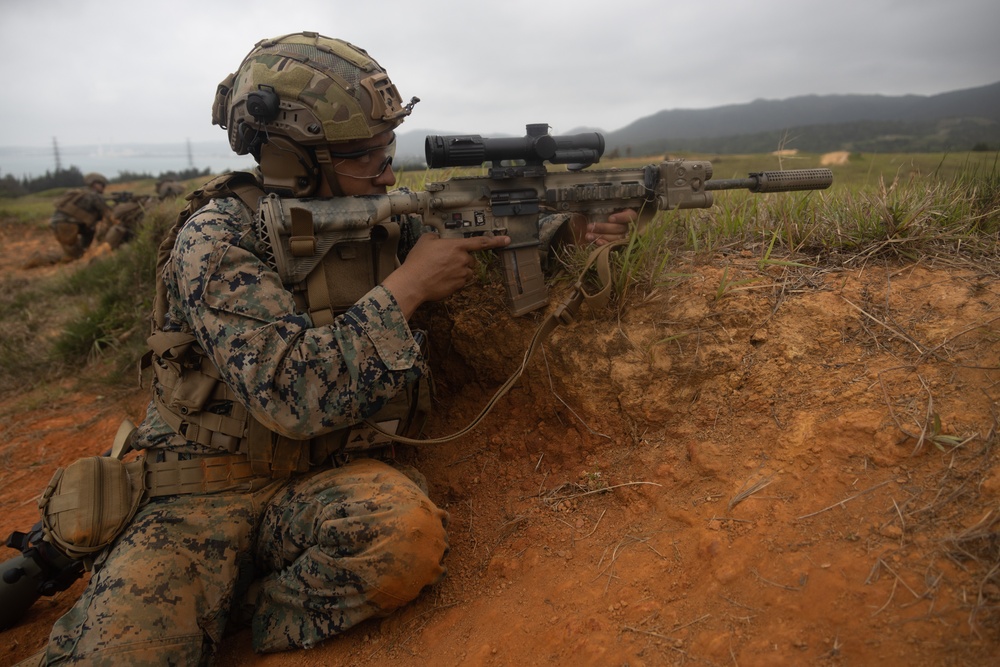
(94, 177)
(312, 89)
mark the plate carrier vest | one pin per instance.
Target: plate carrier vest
(198, 405)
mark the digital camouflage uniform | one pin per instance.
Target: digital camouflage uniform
(303, 559)
(73, 234)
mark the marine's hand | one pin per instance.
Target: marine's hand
(436, 268)
(600, 233)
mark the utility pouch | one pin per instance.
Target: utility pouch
(89, 502)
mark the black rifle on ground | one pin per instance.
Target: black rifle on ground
(41, 569)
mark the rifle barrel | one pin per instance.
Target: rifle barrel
(776, 181)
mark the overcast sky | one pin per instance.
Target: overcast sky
(126, 71)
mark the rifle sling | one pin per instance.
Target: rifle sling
(600, 258)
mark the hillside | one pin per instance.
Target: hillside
(812, 111)
(960, 120)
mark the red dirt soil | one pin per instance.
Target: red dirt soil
(766, 474)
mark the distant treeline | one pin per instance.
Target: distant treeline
(73, 178)
(939, 136)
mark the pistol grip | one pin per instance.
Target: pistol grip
(526, 289)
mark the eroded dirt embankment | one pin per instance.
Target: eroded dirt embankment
(755, 476)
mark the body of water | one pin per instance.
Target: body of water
(111, 160)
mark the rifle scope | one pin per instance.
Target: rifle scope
(471, 150)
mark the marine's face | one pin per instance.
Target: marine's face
(363, 167)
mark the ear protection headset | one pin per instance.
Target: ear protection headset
(288, 168)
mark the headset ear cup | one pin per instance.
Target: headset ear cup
(244, 139)
(287, 168)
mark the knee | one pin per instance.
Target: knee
(416, 552)
(376, 528)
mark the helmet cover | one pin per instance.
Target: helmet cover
(310, 89)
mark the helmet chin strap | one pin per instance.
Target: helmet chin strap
(325, 163)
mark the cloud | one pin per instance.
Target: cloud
(119, 71)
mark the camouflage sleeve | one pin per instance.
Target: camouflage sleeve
(296, 379)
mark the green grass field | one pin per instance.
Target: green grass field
(900, 207)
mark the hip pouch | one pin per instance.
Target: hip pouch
(89, 502)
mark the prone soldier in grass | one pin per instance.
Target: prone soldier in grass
(267, 500)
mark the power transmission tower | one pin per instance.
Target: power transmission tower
(190, 155)
(55, 149)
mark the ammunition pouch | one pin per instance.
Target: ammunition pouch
(203, 409)
(349, 270)
(193, 400)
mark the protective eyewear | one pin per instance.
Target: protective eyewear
(367, 162)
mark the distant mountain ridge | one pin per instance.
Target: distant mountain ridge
(959, 120)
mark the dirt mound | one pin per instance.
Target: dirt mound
(797, 470)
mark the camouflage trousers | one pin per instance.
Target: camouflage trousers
(302, 562)
(73, 237)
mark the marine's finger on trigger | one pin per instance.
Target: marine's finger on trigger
(623, 217)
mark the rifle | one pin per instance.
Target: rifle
(122, 197)
(509, 201)
(41, 569)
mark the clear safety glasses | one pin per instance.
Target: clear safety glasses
(367, 162)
